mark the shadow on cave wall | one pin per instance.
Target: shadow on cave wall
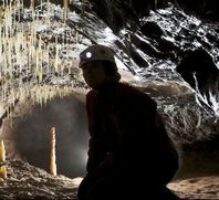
(32, 135)
(200, 158)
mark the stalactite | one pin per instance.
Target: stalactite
(65, 11)
(50, 94)
(32, 4)
(40, 96)
(13, 97)
(47, 58)
(22, 6)
(40, 60)
(56, 55)
(10, 113)
(9, 55)
(46, 96)
(48, 5)
(11, 20)
(36, 71)
(16, 44)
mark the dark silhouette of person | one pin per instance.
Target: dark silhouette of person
(130, 155)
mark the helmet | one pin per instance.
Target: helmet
(96, 53)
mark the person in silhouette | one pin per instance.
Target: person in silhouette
(130, 155)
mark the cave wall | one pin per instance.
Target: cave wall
(118, 13)
(155, 44)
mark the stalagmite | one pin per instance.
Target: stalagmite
(2, 152)
(3, 168)
(53, 167)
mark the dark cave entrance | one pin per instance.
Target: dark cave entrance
(199, 70)
(32, 139)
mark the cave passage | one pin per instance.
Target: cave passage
(31, 135)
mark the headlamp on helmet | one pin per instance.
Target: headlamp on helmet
(97, 53)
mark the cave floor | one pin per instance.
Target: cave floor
(28, 182)
(206, 187)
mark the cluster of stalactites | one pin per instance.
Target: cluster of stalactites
(19, 96)
(22, 50)
(26, 59)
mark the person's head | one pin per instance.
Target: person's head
(98, 65)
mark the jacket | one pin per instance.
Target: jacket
(128, 135)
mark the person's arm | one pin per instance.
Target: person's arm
(136, 117)
(97, 149)
(146, 143)
(96, 154)
(164, 157)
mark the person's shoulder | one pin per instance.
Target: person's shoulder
(91, 95)
(91, 99)
(128, 91)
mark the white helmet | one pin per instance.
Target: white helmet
(96, 53)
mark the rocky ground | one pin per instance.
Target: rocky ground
(197, 188)
(28, 182)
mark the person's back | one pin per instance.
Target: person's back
(129, 149)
